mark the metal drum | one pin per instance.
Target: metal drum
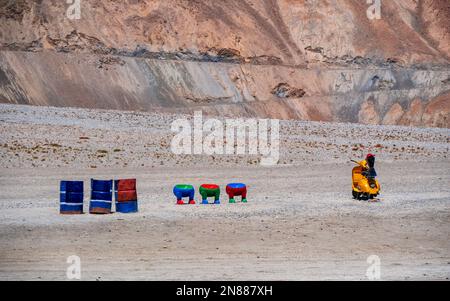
(126, 196)
(101, 196)
(71, 197)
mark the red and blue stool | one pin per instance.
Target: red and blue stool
(183, 191)
(210, 190)
(237, 189)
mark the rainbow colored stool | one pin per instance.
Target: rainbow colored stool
(237, 189)
(182, 191)
(210, 190)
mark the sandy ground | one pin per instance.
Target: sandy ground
(300, 223)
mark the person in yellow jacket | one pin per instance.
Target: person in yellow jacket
(365, 185)
(368, 166)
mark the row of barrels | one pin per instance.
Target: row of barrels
(101, 198)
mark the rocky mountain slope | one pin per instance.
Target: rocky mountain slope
(290, 59)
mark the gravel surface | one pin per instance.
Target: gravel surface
(300, 223)
(81, 138)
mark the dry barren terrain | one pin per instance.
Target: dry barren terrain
(300, 222)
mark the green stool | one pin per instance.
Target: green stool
(210, 190)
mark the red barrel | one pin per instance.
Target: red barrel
(126, 195)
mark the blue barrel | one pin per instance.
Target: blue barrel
(126, 196)
(71, 196)
(101, 196)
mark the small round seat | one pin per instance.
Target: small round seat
(210, 190)
(237, 189)
(182, 191)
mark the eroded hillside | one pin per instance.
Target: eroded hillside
(290, 59)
